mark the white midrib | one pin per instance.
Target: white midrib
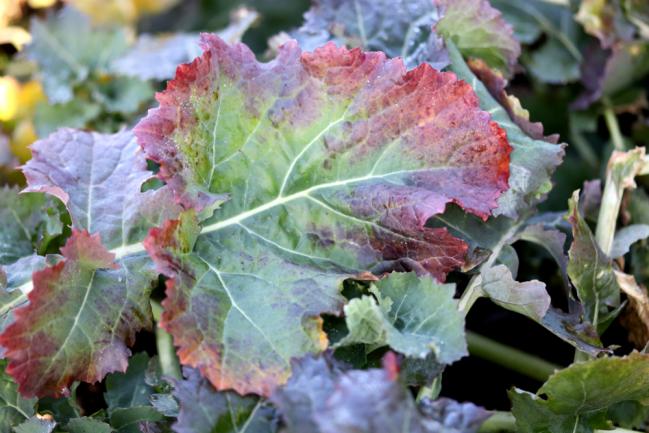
(126, 250)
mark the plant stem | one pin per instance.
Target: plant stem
(499, 422)
(166, 353)
(613, 127)
(471, 294)
(508, 357)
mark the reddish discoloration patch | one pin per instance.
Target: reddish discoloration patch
(30, 345)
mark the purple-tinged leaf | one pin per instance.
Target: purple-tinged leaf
(399, 29)
(323, 397)
(99, 178)
(205, 410)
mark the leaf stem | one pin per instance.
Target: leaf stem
(509, 357)
(613, 126)
(499, 422)
(166, 353)
(471, 294)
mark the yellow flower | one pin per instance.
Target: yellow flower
(23, 135)
(9, 90)
(120, 11)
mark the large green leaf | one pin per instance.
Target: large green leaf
(333, 162)
(583, 395)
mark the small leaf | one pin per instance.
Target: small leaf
(589, 269)
(529, 298)
(479, 31)
(414, 316)
(205, 410)
(88, 425)
(69, 299)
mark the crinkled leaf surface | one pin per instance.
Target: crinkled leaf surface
(581, 394)
(14, 409)
(414, 316)
(333, 161)
(590, 270)
(83, 312)
(99, 177)
(532, 161)
(322, 397)
(205, 410)
(157, 57)
(453, 416)
(399, 29)
(67, 49)
(478, 30)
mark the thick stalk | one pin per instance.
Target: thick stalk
(508, 357)
(166, 353)
(608, 213)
